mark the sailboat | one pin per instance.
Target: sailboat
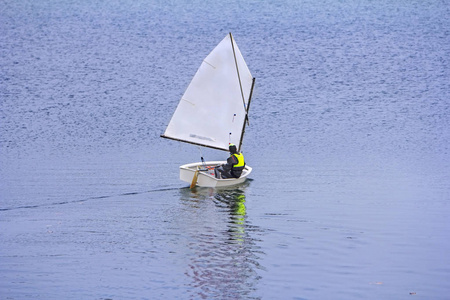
(213, 112)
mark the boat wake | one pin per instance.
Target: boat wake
(89, 199)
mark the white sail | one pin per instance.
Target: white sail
(213, 108)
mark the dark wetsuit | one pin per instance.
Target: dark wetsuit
(233, 168)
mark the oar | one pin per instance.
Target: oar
(194, 180)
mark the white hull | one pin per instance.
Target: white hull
(206, 178)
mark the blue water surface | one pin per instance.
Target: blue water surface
(349, 141)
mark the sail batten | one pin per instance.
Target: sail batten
(211, 111)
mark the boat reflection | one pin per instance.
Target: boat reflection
(223, 249)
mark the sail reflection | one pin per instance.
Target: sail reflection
(223, 251)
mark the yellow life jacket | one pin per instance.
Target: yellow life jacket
(241, 162)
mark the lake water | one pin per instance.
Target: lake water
(349, 140)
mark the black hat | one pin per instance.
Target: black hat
(232, 148)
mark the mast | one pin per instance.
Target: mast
(246, 115)
(237, 70)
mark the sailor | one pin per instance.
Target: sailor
(234, 166)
